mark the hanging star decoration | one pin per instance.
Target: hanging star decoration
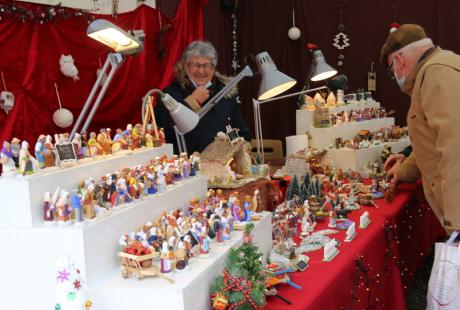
(63, 275)
(77, 284)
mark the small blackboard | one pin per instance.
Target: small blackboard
(232, 134)
(301, 265)
(65, 152)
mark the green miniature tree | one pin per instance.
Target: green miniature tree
(293, 189)
(242, 286)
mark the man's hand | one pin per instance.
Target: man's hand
(391, 165)
(201, 94)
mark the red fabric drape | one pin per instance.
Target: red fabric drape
(30, 62)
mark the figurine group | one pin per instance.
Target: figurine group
(331, 195)
(179, 236)
(95, 198)
(16, 157)
(366, 139)
(357, 115)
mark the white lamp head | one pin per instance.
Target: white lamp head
(273, 81)
(184, 118)
(116, 38)
(322, 70)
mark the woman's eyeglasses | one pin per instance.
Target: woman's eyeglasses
(206, 66)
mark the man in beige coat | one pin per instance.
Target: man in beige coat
(431, 77)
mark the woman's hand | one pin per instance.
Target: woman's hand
(200, 94)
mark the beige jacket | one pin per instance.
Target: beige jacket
(434, 127)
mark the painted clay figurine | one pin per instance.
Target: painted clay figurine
(15, 148)
(27, 163)
(39, 148)
(6, 159)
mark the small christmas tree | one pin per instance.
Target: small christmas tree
(242, 285)
(70, 292)
(293, 189)
(304, 194)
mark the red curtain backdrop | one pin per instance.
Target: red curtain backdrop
(30, 63)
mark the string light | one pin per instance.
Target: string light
(40, 14)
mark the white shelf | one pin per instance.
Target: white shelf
(323, 137)
(357, 160)
(191, 288)
(32, 264)
(24, 194)
(304, 118)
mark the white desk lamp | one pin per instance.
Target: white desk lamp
(122, 43)
(319, 70)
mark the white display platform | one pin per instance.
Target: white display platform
(357, 160)
(304, 118)
(322, 138)
(24, 194)
(191, 288)
(29, 259)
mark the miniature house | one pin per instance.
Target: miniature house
(223, 159)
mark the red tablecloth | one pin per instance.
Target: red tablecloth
(390, 249)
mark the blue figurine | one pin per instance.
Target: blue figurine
(76, 206)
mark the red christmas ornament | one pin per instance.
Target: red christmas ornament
(394, 27)
(312, 46)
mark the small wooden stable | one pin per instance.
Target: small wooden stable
(222, 160)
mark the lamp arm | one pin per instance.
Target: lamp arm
(258, 120)
(90, 98)
(113, 59)
(291, 95)
(214, 100)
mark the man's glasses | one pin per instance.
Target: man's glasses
(206, 66)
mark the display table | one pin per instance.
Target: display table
(390, 249)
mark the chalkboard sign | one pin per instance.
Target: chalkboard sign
(232, 134)
(65, 152)
(301, 265)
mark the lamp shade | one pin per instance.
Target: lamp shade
(321, 70)
(184, 118)
(273, 81)
(116, 38)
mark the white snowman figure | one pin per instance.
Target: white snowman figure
(68, 67)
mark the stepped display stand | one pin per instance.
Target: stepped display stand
(304, 118)
(357, 160)
(323, 137)
(30, 248)
(25, 193)
(191, 288)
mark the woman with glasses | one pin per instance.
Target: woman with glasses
(196, 81)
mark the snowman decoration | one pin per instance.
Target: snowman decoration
(67, 67)
(6, 98)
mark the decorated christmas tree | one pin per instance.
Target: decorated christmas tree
(242, 285)
(70, 288)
